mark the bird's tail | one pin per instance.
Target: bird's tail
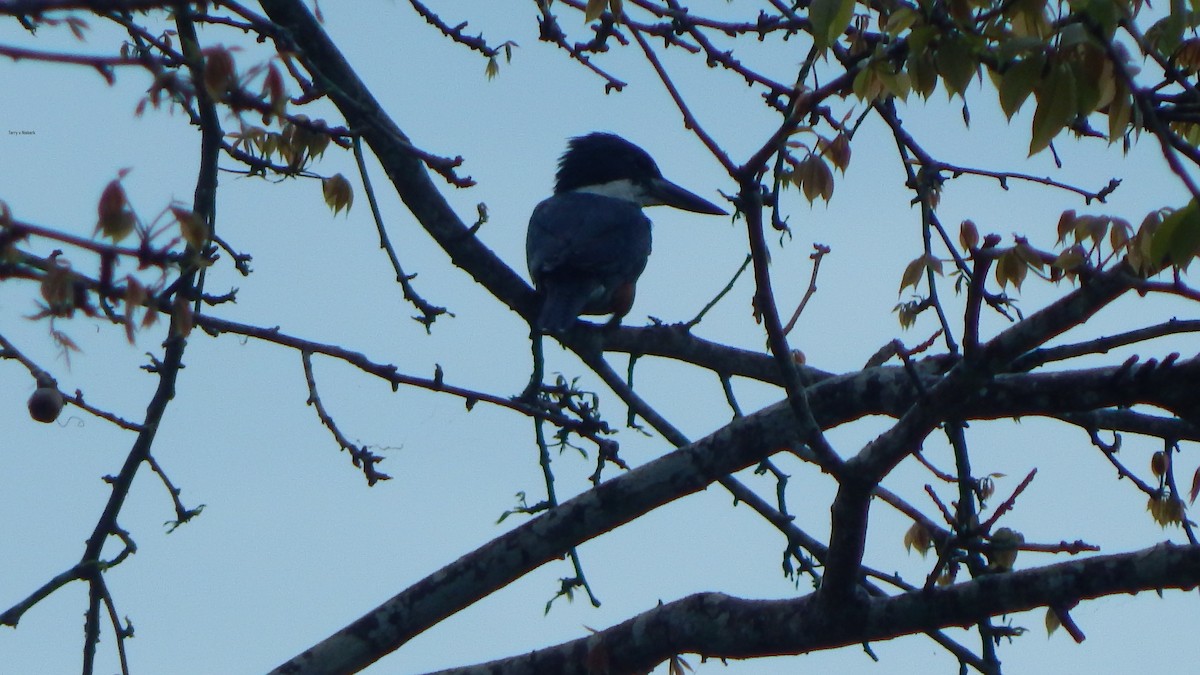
(562, 304)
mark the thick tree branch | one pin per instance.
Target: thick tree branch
(508, 557)
(620, 500)
(946, 400)
(715, 625)
(404, 168)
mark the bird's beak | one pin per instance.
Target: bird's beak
(663, 192)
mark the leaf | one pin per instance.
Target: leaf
(1066, 224)
(957, 64)
(829, 19)
(1118, 235)
(1088, 66)
(594, 9)
(917, 537)
(867, 85)
(838, 152)
(1105, 13)
(968, 235)
(1018, 82)
(1176, 240)
(934, 264)
(1092, 227)
(1195, 491)
(1069, 260)
(816, 178)
(275, 91)
(1158, 464)
(1004, 546)
(115, 218)
(1166, 509)
(1138, 253)
(317, 144)
(922, 72)
(1056, 107)
(1166, 34)
(897, 84)
(135, 295)
(912, 274)
(1120, 111)
(219, 72)
(679, 666)
(900, 20)
(192, 227)
(338, 193)
(182, 320)
(1011, 268)
(948, 575)
(1029, 255)
(1052, 621)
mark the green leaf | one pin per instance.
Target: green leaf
(1013, 47)
(1056, 107)
(897, 84)
(1178, 237)
(957, 63)
(922, 73)
(1120, 112)
(867, 85)
(1166, 34)
(920, 37)
(900, 20)
(829, 19)
(1088, 64)
(594, 9)
(1105, 13)
(1018, 82)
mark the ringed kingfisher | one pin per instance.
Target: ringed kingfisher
(587, 244)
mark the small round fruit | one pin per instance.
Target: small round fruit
(45, 404)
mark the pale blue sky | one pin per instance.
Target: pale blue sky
(292, 545)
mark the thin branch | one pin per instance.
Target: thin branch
(721, 294)
(689, 118)
(182, 513)
(13, 614)
(18, 7)
(819, 253)
(76, 400)
(455, 33)
(550, 31)
(167, 369)
(1007, 504)
(389, 373)
(359, 455)
(429, 312)
(1103, 345)
(1002, 177)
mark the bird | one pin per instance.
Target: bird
(588, 243)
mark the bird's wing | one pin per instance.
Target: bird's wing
(586, 235)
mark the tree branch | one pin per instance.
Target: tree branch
(715, 625)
